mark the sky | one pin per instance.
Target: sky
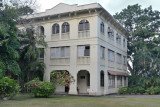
(112, 6)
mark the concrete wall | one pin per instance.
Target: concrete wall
(73, 64)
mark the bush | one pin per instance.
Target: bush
(123, 90)
(41, 89)
(8, 88)
(153, 90)
(141, 90)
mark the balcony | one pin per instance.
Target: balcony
(55, 37)
(84, 34)
(102, 61)
(65, 36)
(125, 67)
(60, 61)
(111, 64)
(119, 66)
(102, 36)
(83, 60)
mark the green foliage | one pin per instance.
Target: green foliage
(40, 89)
(123, 90)
(8, 42)
(139, 90)
(143, 44)
(153, 90)
(29, 62)
(61, 77)
(8, 87)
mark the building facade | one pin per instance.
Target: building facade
(87, 42)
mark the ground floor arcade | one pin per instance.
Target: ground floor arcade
(89, 83)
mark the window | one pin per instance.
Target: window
(118, 38)
(124, 60)
(111, 81)
(110, 55)
(83, 25)
(83, 51)
(119, 81)
(102, 27)
(102, 79)
(124, 42)
(102, 52)
(41, 53)
(55, 29)
(65, 27)
(110, 33)
(119, 59)
(60, 52)
(41, 30)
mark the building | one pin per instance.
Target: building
(89, 43)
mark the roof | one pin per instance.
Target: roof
(64, 8)
(118, 73)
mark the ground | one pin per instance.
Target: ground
(83, 101)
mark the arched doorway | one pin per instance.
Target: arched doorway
(102, 82)
(60, 88)
(83, 82)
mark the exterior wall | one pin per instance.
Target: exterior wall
(72, 64)
(104, 41)
(93, 64)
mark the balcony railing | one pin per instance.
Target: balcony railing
(65, 36)
(83, 60)
(60, 61)
(55, 37)
(111, 64)
(102, 61)
(83, 34)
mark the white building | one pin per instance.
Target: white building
(87, 42)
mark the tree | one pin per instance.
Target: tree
(143, 44)
(32, 46)
(8, 42)
(10, 12)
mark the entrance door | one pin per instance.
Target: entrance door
(82, 82)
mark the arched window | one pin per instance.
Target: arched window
(110, 33)
(65, 27)
(83, 25)
(55, 29)
(41, 30)
(102, 27)
(118, 38)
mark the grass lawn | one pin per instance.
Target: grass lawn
(74, 101)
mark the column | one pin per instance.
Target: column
(73, 69)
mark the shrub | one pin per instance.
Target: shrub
(41, 89)
(63, 78)
(153, 90)
(8, 88)
(129, 90)
(123, 90)
(141, 90)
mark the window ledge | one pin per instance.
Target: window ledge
(59, 58)
(83, 56)
(65, 33)
(111, 39)
(84, 31)
(102, 34)
(55, 34)
(111, 61)
(119, 63)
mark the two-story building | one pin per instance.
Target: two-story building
(89, 43)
